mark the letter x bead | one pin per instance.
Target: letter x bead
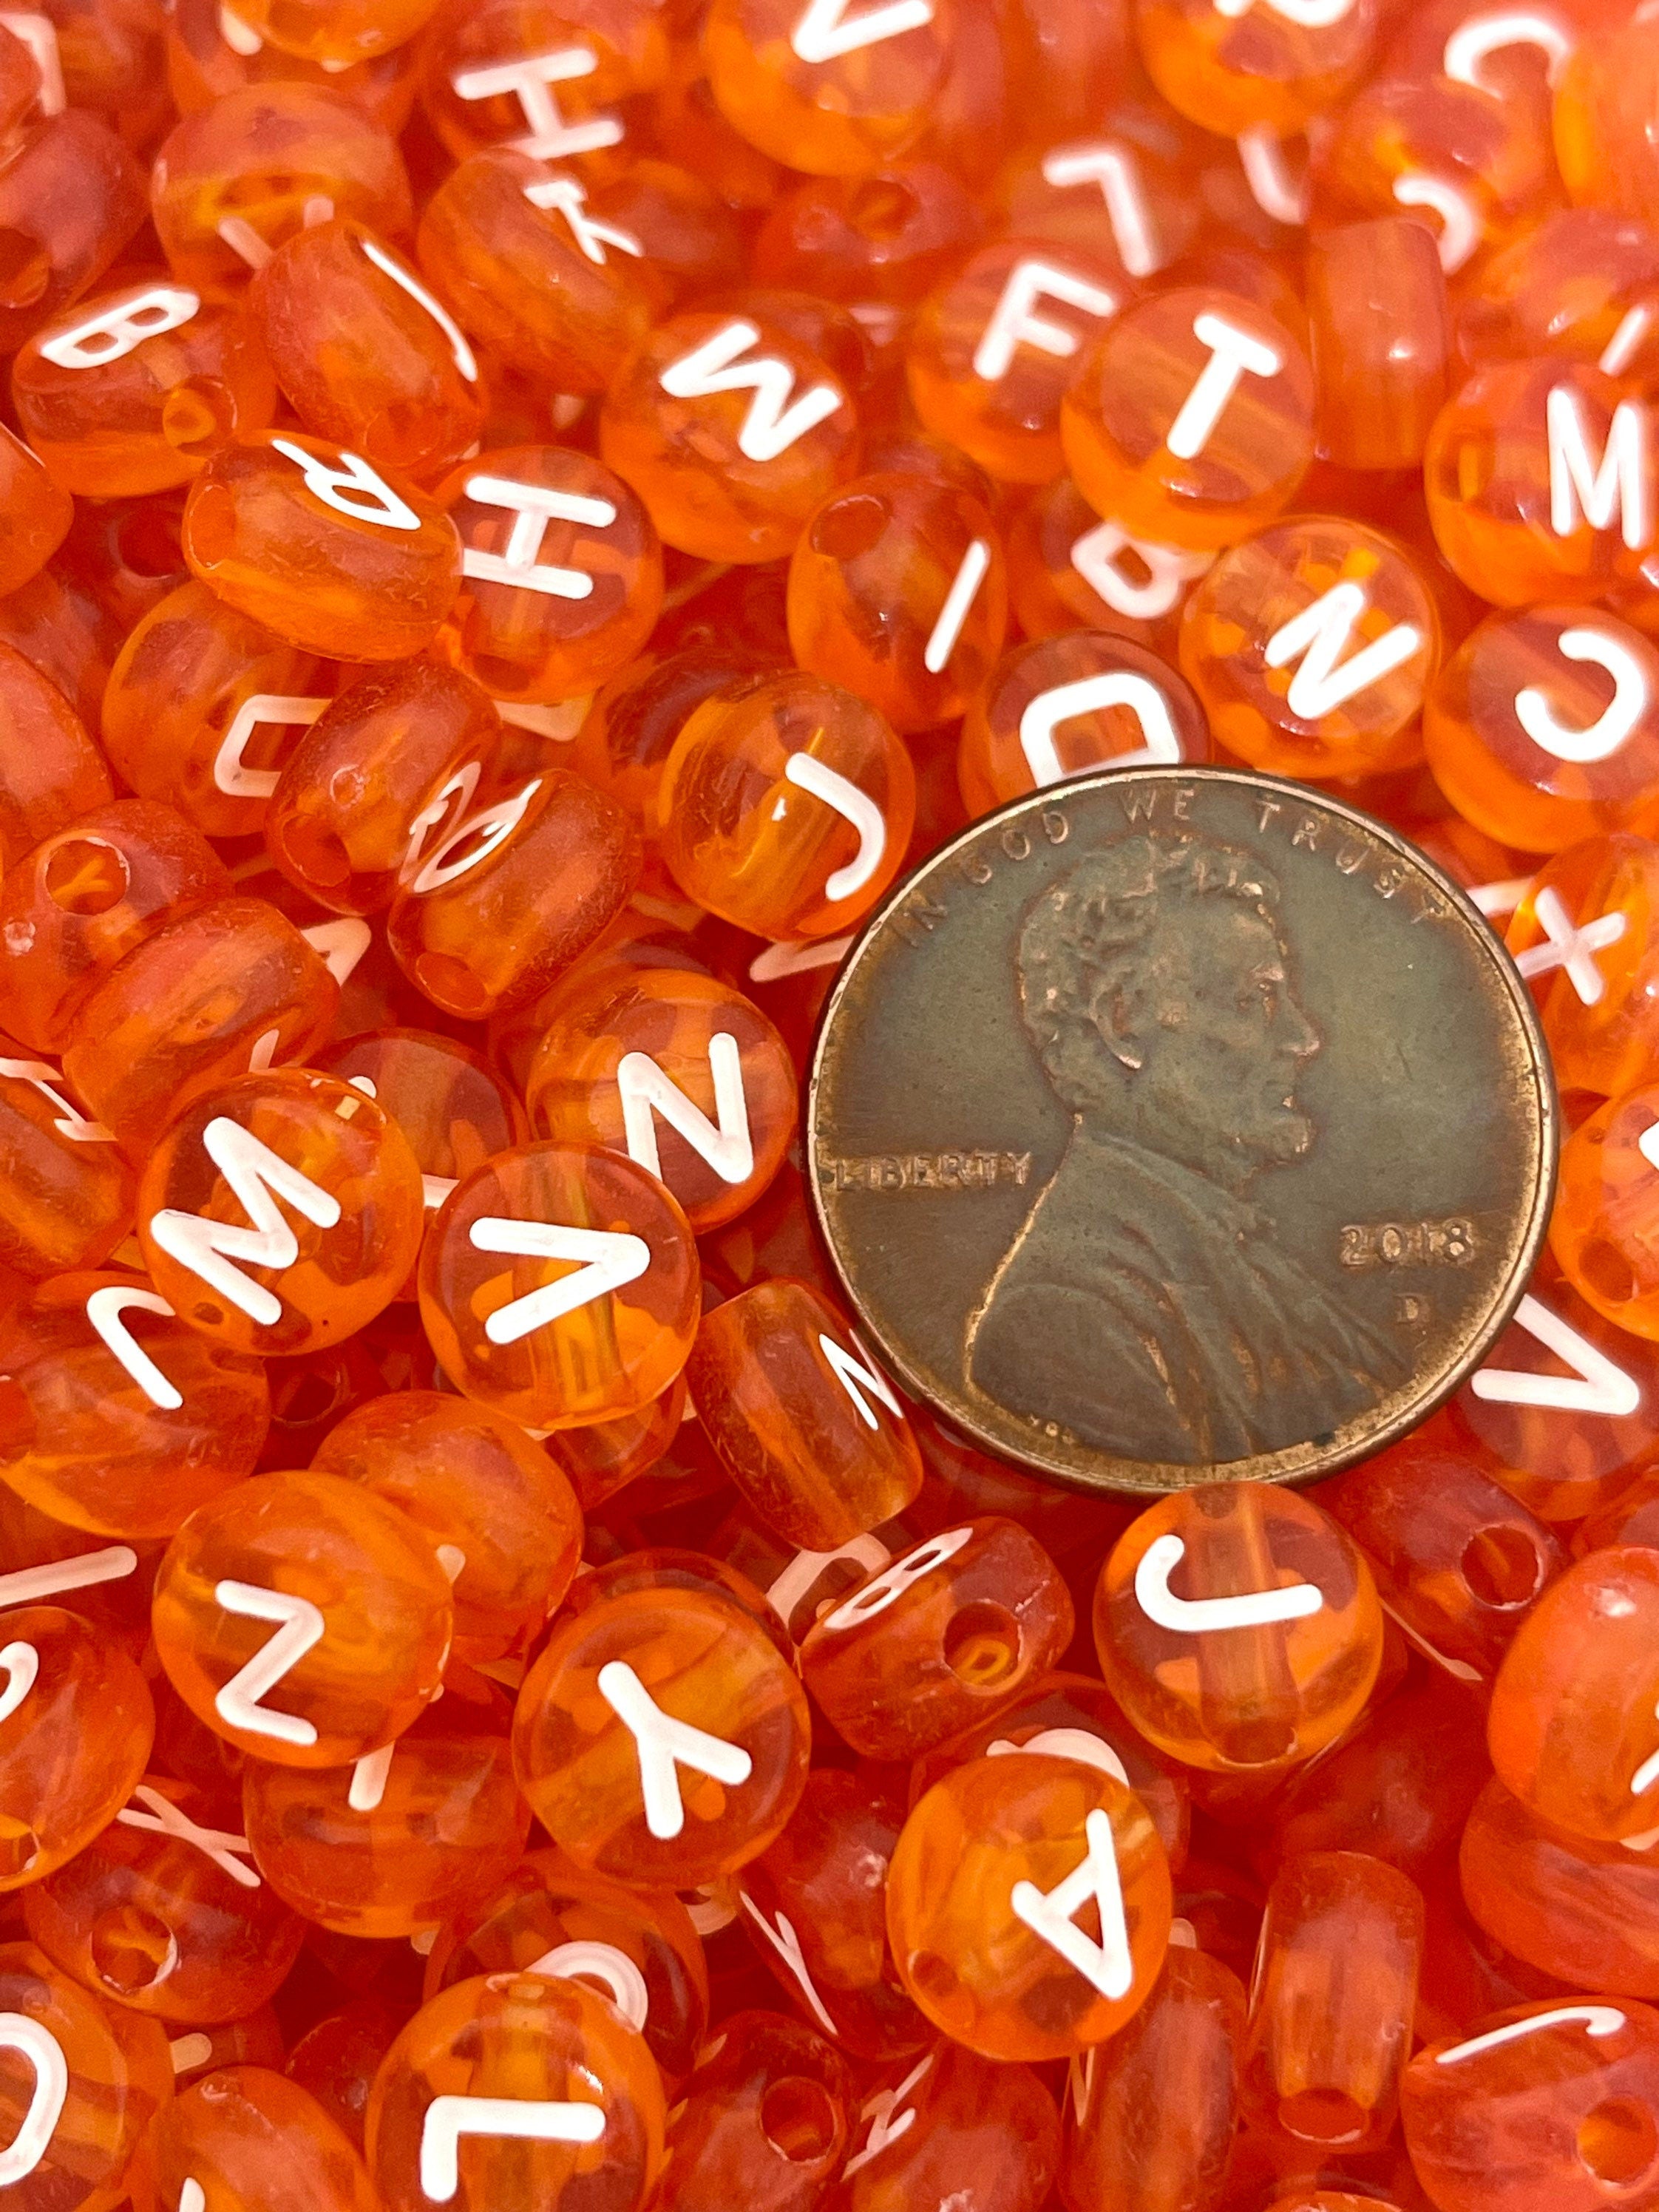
(1570, 947)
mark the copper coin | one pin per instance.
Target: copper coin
(1174, 1125)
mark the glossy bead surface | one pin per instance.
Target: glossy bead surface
(542, 75)
(75, 1741)
(1280, 1676)
(1028, 1906)
(37, 515)
(1578, 1910)
(677, 1070)
(950, 1632)
(246, 2135)
(829, 112)
(311, 540)
(1378, 328)
(953, 2121)
(294, 1554)
(69, 1193)
(785, 806)
(330, 1185)
(809, 1431)
(1604, 1233)
(516, 2039)
(514, 1322)
(1582, 936)
(1256, 644)
(1275, 76)
(1191, 421)
(660, 1738)
(115, 1416)
(479, 1488)
(50, 768)
(1067, 705)
(728, 473)
(107, 2102)
(766, 2120)
(71, 198)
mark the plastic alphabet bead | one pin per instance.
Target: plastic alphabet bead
(68, 1191)
(281, 1212)
(823, 87)
(302, 1619)
(515, 2086)
(75, 2103)
(806, 1424)
(785, 806)
(677, 1070)
(560, 1285)
(1580, 936)
(1602, 1233)
(1380, 340)
(766, 2119)
(1273, 75)
(50, 768)
(244, 2135)
(947, 1634)
(311, 540)
(953, 2121)
(76, 1724)
(660, 1738)
(1220, 1650)
(67, 161)
(544, 77)
(115, 1416)
(1576, 1909)
(1028, 1906)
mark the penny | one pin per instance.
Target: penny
(1174, 1125)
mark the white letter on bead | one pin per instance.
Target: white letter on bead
(824, 32)
(854, 805)
(21, 1663)
(280, 708)
(113, 332)
(104, 1310)
(726, 1143)
(1617, 484)
(521, 2120)
(1091, 694)
(1319, 634)
(533, 507)
(1617, 720)
(774, 422)
(855, 1376)
(406, 281)
(887, 2124)
(1012, 323)
(1596, 1386)
(1113, 168)
(664, 1745)
(1203, 1615)
(1570, 947)
(207, 1249)
(1234, 355)
(609, 1258)
(1598, 2019)
(551, 139)
(1460, 220)
(958, 600)
(890, 1586)
(352, 488)
(164, 1818)
(44, 2054)
(591, 236)
(785, 1941)
(299, 1626)
(1478, 36)
(70, 1121)
(1095, 557)
(1106, 1964)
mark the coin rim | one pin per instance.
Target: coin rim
(1296, 1464)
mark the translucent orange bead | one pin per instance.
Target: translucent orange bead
(75, 1738)
(810, 1431)
(1471, 168)
(130, 392)
(629, 729)
(1066, 705)
(1378, 328)
(1584, 934)
(247, 2137)
(534, 272)
(1523, 499)
(511, 886)
(731, 434)
(1311, 646)
(329, 1184)
(1238, 1626)
(661, 1738)
(1578, 1910)
(395, 1844)
(372, 780)
(310, 540)
(1564, 288)
(195, 707)
(1066, 567)
(476, 2098)
(898, 589)
(1332, 1999)
(1028, 1906)
(1571, 1729)
(1274, 75)
(108, 2097)
(159, 1917)
(1602, 100)
(560, 1286)
(483, 1493)
(329, 32)
(544, 77)
(50, 768)
(68, 1191)
(203, 66)
(340, 1594)
(890, 236)
(1543, 727)
(561, 568)
(1126, 2141)
(116, 1417)
(789, 78)
(69, 162)
(785, 806)
(1604, 1232)
(35, 518)
(232, 182)
(1191, 423)
(979, 378)
(84, 898)
(364, 353)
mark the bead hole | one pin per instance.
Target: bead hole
(1322, 2115)
(851, 526)
(85, 876)
(1617, 2141)
(133, 1949)
(881, 208)
(981, 1645)
(25, 268)
(1607, 1272)
(196, 416)
(1501, 1567)
(148, 541)
(799, 2119)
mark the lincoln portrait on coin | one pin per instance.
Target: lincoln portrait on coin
(1147, 1305)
